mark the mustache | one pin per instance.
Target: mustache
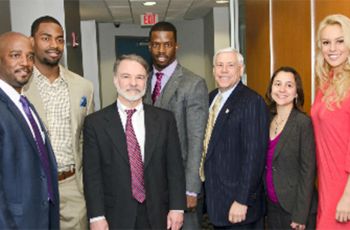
(24, 69)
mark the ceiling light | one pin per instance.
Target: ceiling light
(221, 1)
(149, 3)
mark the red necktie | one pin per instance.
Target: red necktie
(135, 159)
(157, 87)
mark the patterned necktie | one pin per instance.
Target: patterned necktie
(39, 144)
(157, 87)
(135, 159)
(210, 125)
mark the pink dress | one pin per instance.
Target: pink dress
(332, 136)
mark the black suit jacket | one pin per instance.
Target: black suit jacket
(23, 188)
(107, 181)
(294, 168)
(236, 156)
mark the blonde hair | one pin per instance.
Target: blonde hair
(334, 89)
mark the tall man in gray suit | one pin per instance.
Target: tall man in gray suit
(173, 87)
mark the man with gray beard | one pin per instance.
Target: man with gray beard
(133, 172)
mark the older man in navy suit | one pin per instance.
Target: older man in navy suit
(28, 172)
(234, 148)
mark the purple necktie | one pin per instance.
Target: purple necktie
(39, 143)
(157, 87)
(135, 159)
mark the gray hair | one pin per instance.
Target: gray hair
(229, 50)
(131, 57)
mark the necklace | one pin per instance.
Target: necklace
(278, 124)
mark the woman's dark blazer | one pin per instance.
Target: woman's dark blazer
(294, 168)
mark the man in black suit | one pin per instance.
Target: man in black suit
(133, 172)
(234, 150)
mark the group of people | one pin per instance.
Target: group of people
(166, 150)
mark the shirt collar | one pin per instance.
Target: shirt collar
(38, 74)
(169, 70)
(122, 107)
(10, 91)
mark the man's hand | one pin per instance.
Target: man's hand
(342, 213)
(99, 225)
(191, 201)
(175, 220)
(297, 226)
(237, 212)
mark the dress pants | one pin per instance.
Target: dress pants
(72, 206)
(257, 225)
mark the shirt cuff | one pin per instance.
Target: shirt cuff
(179, 211)
(94, 219)
(191, 194)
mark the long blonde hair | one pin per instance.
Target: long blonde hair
(334, 89)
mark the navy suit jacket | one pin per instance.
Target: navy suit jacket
(23, 188)
(236, 156)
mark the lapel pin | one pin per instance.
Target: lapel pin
(227, 111)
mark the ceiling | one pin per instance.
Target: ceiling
(129, 11)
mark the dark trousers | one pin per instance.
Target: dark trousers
(279, 219)
(258, 225)
(142, 221)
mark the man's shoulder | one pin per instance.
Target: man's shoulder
(187, 74)
(76, 77)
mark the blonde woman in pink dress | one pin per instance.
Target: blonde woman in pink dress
(331, 119)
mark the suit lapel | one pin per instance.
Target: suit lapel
(290, 124)
(115, 131)
(32, 92)
(170, 88)
(151, 133)
(19, 118)
(224, 113)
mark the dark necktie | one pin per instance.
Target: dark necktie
(135, 159)
(39, 144)
(157, 87)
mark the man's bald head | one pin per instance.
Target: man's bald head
(16, 59)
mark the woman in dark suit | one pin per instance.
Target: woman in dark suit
(290, 161)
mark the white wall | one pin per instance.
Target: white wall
(24, 12)
(90, 57)
(221, 27)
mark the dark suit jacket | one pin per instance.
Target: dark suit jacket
(294, 168)
(23, 188)
(186, 95)
(107, 181)
(236, 156)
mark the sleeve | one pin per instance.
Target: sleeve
(254, 139)
(196, 118)
(307, 173)
(93, 186)
(6, 219)
(175, 171)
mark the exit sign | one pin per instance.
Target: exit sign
(149, 19)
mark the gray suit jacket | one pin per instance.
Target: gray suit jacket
(294, 168)
(81, 102)
(186, 95)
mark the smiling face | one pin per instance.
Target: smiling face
(227, 70)
(48, 42)
(333, 47)
(284, 90)
(16, 60)
(163, 48)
